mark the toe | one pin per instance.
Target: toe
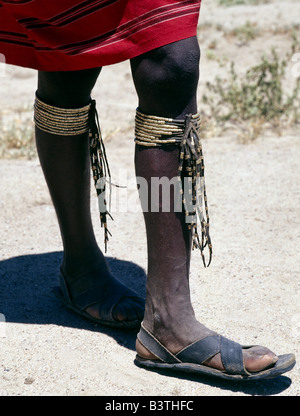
(129, 309)
(258, 358)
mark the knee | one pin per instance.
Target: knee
(168, 76)
(70, 89)
(169, 66)
(175, 64)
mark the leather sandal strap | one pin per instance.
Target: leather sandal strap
(201, 350)
(155, 347)
(232, 357)
(107, 299)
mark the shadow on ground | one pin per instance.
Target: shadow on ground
(26, 296)
(253, 388)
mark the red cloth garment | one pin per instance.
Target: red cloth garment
(70, 35)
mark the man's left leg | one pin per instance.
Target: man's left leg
(166, 82)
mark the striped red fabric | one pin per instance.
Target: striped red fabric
(73, 34)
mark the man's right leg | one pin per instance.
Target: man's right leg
(66, 166)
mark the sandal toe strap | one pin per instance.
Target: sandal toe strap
(199, 352)
(107, 298)
(232, 357)
(204, 349)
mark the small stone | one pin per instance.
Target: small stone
(28, 380)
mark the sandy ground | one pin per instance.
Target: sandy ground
(250, 293)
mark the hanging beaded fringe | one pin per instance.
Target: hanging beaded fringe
(159, 131)
(100, 168)
(71, 122)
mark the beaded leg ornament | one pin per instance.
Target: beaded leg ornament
(100, 168)
(71, 122)
(156, 131)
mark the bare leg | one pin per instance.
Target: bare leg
(66, 166)
(166, 82)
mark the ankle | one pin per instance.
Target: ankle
(163, 316)
(75, 265)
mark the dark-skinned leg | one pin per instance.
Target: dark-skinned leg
(166, 82)
(66, 166)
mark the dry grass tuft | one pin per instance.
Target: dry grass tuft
(255, 100)
(17, 135)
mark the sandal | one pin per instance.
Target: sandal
(108, 299)
(191, 358)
